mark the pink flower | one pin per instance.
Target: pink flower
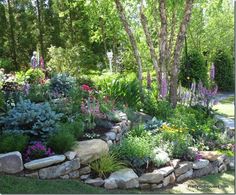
(86, 88)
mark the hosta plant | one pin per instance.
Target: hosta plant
(61, 84)
(36, 120)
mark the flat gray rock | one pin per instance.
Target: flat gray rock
(59, 170)
(44, 162)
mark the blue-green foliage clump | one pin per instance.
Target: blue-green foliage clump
(36, 120)
(153, 125)
(61, 84)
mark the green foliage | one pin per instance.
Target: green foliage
(135, 147)
(38, 93)
(76, 128)
(61, 141)
(61, 84)
(72, 59)
(34, 75)
(193, 68)
(159, 157)
(13, 142)
(160, 109)
(106, 164)
(7, 65)
(36, 120)
(122, 89)
(224, 72)
(153, 125)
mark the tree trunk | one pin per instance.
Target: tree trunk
(40, 26)
(71, 24)
(177, 51)
(12, 34)
(163, 35)
(153, 54)
(128, 30)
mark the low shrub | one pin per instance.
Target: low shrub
(38, 93)
(61, 84)
(35, 120)
(160, 109)
(37, 150)
(106, 164)
(13, 142)
(76, 128)
(61, 141)
(133, 146)
(34, 75)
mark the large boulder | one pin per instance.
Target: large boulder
(209, 155)
(59, 170)
(44, 162)
(204, 171)
(183, 168)
(185, 176)
(154, 177)
(90, 150)
(124, 178)
(11, 162)
(201, 163)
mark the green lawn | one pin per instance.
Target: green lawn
(226, 107)
(220, 183)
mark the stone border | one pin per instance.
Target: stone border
(69, 166)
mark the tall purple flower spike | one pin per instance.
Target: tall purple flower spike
(163, 86)
(212, 72)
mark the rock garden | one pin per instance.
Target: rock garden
(116, 95)
(68, 130)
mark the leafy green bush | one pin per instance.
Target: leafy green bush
(7, 65)
(224, 71)
(34, 75)
(61, 141)
(193, 68)
(122, 89)
(134, 146)
(61, 84)
(13, 142)
(38, 93)
(106, 164)
(160, 109)
(76, 128)
(36, 120)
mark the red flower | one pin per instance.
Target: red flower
(86, 88)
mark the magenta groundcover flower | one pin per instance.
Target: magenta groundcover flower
(36, 151)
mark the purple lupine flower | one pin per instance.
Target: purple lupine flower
(212, 72)
(149, 80)
(163, 86)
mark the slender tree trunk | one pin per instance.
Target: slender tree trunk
(177, 51)
(128, 30)
(40, 26)
(163, 35)
(152, 51)
(71, 24)
(171, 37)
(12, 34)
